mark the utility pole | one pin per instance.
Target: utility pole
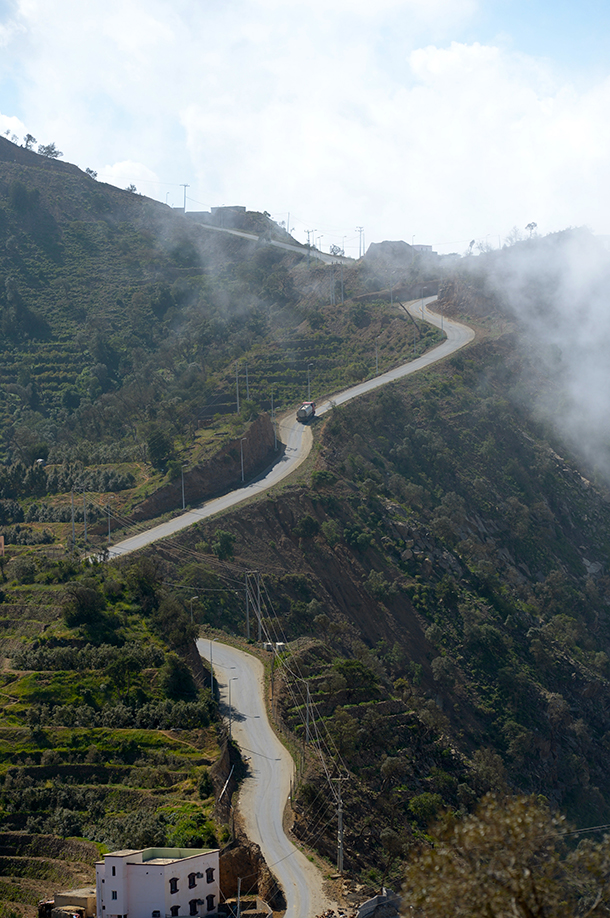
(340, 833)
(272, 675)
(260, 616)
(253, 577)
(185, 186)
(73, 532)
(360, 231)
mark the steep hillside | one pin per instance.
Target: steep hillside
(131, 335)
(448, 568)
(439, 564)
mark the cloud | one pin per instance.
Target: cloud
(12, 126)
(557, 287)
(350, 114)
(128, 173)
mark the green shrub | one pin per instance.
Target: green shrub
(222, 546)
(205, 786)
(306, 528)
(425, 807)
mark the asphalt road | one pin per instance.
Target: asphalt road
(265, 790)
(297, 437)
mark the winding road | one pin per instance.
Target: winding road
(265, 790)
(297, 437)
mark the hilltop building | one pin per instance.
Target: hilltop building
(158, 883)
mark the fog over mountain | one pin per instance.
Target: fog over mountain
(558, 289)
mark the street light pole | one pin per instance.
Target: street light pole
(241, 447)
(230, 708)
(108, 510)
(211, 670)
(273, 421)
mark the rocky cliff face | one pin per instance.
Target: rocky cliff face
(217, 476)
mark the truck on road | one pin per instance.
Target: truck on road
(306, 411)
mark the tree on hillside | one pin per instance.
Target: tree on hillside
(509, 860)
(29, 141)
(49, 150)
(160, 448)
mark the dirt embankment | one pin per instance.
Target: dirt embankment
(244, 860)
(220, 474)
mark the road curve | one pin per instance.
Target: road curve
(298, 438)
(264, 791)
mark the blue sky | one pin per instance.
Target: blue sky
(575, 35)
(443, 120)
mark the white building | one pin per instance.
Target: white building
(158, 883)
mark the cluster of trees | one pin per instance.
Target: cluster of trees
(511, 857)
(149, 715)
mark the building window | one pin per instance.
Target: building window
(114, 871)
(209, 874)
(193, 907)
(173, 885)
(210, 903)
(175, 911)
(114, 894)
(192, 880)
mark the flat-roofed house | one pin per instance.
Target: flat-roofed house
(158, 883)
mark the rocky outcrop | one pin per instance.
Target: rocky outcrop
(220, 474)
(244, 860)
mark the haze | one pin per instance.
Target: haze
(434, 121)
